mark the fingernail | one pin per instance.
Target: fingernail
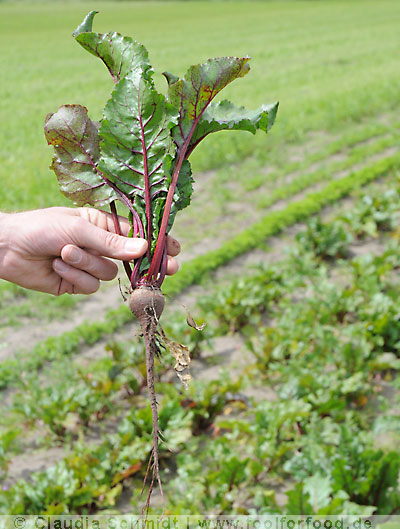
(74, 256)
(136, 246)
(60, 266)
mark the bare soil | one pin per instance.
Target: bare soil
(229, 350)
(237, 215)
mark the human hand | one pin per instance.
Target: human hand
(63, 250)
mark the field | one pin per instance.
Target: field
(290, 256)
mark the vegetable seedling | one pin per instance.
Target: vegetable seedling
(138, 155)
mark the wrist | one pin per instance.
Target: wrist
(4, 242)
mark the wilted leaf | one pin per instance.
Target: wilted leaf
(120, 476)
(181, 354)
(191, 321)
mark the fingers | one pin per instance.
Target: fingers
(104, 220)
(172, 266)
(173, 249)
(81, 271)
(173, 246)
(105, 243)
(94, 265)
(98, 237)
(75, 281)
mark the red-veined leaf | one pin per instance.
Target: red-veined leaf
(77, 151)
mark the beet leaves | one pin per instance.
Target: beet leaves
(138, 155)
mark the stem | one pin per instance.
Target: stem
(163, 268)
(158, 252)
(146, 187)
(117, 228)
(127, 203)
(135, 274)
(135, 226)
(378, 489)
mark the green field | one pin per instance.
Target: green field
(293, 407)
(330, 64)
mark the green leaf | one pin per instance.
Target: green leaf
(298, 501)
(202, 82)
(136, 138)
(86, 25)
(77, 151)
(224, 115)
(119, 54)
(171, 77)
(182, 196)
(183, 192)
(385, 361)
(319, 488)
(184, 187)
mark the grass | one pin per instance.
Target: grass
(325, 70)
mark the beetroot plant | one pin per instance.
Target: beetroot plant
(138, 155)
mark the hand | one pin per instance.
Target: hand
(64, 250)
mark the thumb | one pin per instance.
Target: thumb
(108, 244)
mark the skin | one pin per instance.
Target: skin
(66, 250)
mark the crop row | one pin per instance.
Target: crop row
(17, 304)
(274, 222)
(197, 269)
(349, 138)
(325, 361)
(65, 344)
(281, 183)
(253, 179)
(358, 155)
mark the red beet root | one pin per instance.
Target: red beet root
(147, 304)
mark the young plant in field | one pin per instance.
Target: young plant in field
(138, 155)
(324, 240)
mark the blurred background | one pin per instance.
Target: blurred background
(290, 253)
